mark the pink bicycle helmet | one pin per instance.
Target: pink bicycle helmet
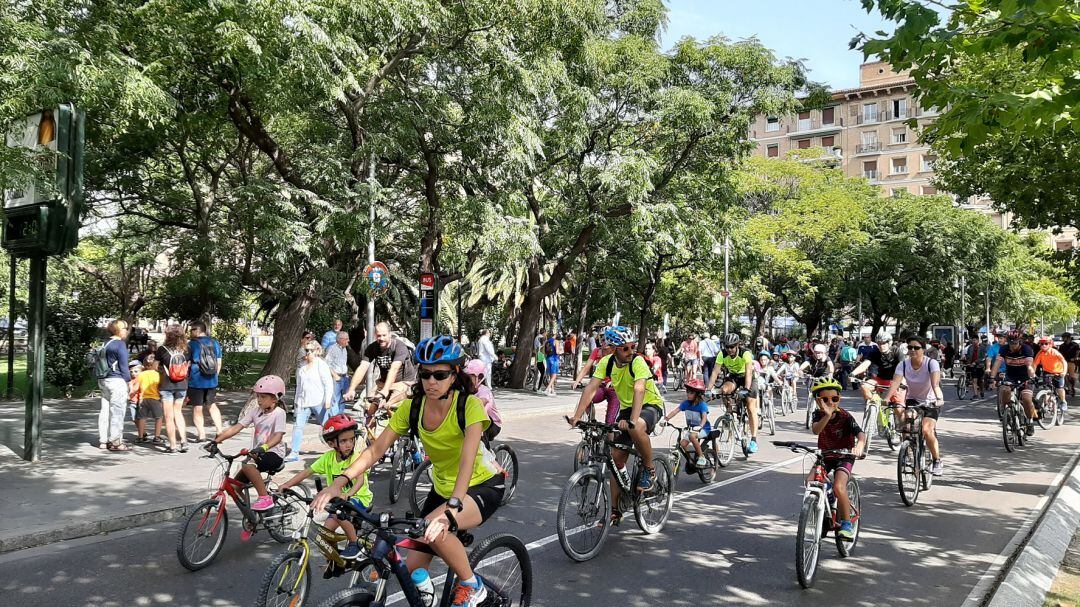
(270, 384)
(475, 367)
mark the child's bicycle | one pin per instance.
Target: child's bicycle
(500, 561)
(732, 427)
(708, 450)
(817, 516)
(203, 533)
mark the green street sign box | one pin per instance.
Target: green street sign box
(41, 214)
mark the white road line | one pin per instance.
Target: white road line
(540, 543)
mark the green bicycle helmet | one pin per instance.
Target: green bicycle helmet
(826, 383)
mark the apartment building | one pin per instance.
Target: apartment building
(864, 132)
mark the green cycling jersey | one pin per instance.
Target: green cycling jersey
(736, 365)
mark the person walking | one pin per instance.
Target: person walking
(551, 354)
(337, 358)
(301, 352)
(708, 349)
(114, 390)
(538, 356)
(203, 378)
(486, 354)
(175, 357)
(330, 336)
(314, 394)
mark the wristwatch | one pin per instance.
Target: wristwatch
(455, 503)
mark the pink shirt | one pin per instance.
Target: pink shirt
(265, 425)
(485, 395)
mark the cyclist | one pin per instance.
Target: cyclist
(837, 429)
(690, 362)
(922, 375)
(973, 357)
(640, 404)
(1071, 351)
(267, 450)
(820, 366)
(737, 365)
(397, 373)
(1019, 368)
(474, 371)
(339, 433)
(880, 365)
(605, 392)
(465, 483)
(1053, 365)
(992, 352)
(787, 371)
(696, 411)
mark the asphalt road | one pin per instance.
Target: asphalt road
(728, 543)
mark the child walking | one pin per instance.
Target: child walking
(149, 380)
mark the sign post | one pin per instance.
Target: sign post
(429, 304)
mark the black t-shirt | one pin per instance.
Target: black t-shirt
(165, 357)
(383, 359)
(1016, 363)
(883, 364)
(1069, 350)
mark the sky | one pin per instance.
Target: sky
(816, 31)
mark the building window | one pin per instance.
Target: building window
(899, 136)
(804, 121)
(828, 116)
(899, 166)
(772, 125)
(773, 151)
(929, 190)
(869, 169)
(803, 144)
(827, 142)
(868, 137)
(900, 108)
(927, 163)
(870, 112)
(1063, 245)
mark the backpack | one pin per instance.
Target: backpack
(208, 360)
(100, 363)
(549, 349)
(414, 416)
(177, 367)
(611, 365)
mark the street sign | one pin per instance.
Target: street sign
(725, 293)
(428, 304)
(427, 282)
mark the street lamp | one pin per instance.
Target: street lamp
(962, 285)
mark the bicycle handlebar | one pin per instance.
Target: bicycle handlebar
(795, 447)
(415, 527)
(585, 425)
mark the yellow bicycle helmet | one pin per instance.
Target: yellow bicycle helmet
(826, 383)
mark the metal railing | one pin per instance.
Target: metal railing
(871, 175)
(813, 124)
(867, 148)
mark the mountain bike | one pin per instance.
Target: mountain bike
(421, 482)
(203, 533)
(708, 450)
(818, 514)
(914, 461)
(501, 561)
(407, 454)
(878, 420)
(1013, 419)
(584, 515)
(1047, 408)
(732, 428)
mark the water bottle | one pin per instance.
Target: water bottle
(624, 476)
(422, 580)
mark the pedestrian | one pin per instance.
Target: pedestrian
(175, 360)
(541, 360)
(337, 358)
(150, 406)
(301, 352)
(551, 354)
(948, 356)
(663, 351)
(114, 389)
(203, 378)
(151, 348)
(314, 394)
(656, 364)
(708, 349)
(330, 336)
(486, 351)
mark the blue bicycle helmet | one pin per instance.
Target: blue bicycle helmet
(439, 349)
(619, 336)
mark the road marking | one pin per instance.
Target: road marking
(542, 542)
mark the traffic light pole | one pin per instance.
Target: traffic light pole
(35, 359)
(14, 262)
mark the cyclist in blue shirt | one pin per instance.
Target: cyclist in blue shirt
(696, 411)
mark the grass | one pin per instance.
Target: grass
(1066, 589)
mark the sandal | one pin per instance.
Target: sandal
(103, 446)
(119, 447)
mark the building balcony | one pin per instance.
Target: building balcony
(874, 147)
(871, 175)
(814, 125)
(896, 170)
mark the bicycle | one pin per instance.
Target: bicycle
(500, 560)
(788, 398)
(817, 515)
(914, 461)
(708, 450)
(587, 494)
(209, 519)
(766, 403)
(1047, 409)
(406, 455)
(732, 428)
(505, 457)
(810, 399)
(877, 418)
(1013, 420)
(962, 381)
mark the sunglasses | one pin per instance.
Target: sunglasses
(828, 399)
(625, 348)
(914, 347)
(438, 375)
(310, 350)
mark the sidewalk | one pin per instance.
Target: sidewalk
(78, 490)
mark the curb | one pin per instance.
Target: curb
(85, 529)
(1022, 574)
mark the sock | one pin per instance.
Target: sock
(471, 582)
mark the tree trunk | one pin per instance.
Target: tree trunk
(923, 326)
(530, 311)
(650, 292)
(289, 325)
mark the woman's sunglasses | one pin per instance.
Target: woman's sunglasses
(915, 347)
(438, 375)
(829, 399)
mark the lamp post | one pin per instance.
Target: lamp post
(726, 248)
(988, 311)
(961, 284)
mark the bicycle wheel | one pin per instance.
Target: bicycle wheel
(203, 534)
(888, 430)
(809, 408)
(287, 581)
(419, 487)
(845, 547)
(503, 563)
(925, 466)
(581, 455)
(508, 461)
(217, 475)
(357, 596)
(907, 473)
(398, 469)
(286, 517)
(725, 446)
(652, 508)
(582, 520)
(1009, 435)
(768, 416)
(708, 473)
(1048, 412)
(961, 388)
(808, 541)
(869, 423)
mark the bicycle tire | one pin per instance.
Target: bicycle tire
(892, 437)
(1007, 435)
(357, 596)
(961, 389)
(769, 415)
(296, 590)
(1049, 413)
(398, 471)
(419, 486)
(581, 455)
(499, 572)
(286, 517)
(846, 547)
(809, 408)
(869, 425)
(925, 466)
(708, 473)
(907, 468)
(808, 541)
(218, 521)
(508, 460)
(726, 447)
(652, 508)
(594, 512)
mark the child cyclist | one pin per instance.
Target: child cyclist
(267, 451)
(837, 429)
(449, 421)
(475, 370)
(696, 411)
(339, 433)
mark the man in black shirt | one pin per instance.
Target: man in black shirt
(397, 371)
(1071, 351)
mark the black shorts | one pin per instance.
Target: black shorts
(268, 462)
(928, 413)
(650, 413)
(976, 371)
(202, 396)
(487, 495)
(740, 381)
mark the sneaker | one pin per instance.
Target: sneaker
(265, 502)
(351, 551)
(142, 439)
(1030, 430)
(847, 531)
(182, 448)
(1064, 407)
(647, 480)
(469, 595)
(752, 447)
(936, 469)
(616, 518)
(292, 458)
(701, 462)
(246, 534)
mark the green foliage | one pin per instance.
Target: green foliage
(68, 337)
